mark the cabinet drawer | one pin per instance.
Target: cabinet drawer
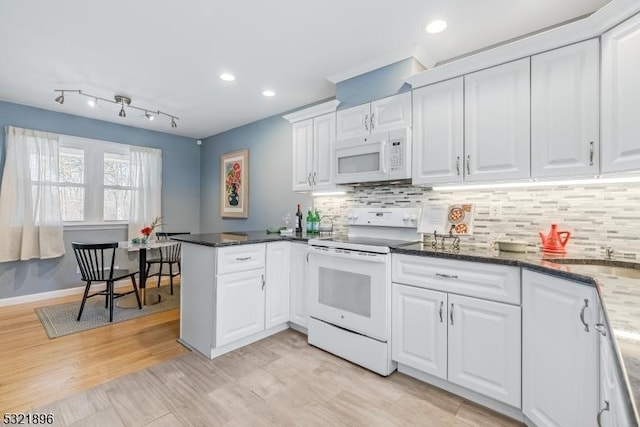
(240, 258)
(488, 281)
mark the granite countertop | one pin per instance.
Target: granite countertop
(240, 238)
(619, 296)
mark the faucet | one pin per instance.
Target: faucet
(608, 252)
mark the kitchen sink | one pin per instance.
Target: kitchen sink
(595, 266)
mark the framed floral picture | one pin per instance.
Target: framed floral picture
(234, 184)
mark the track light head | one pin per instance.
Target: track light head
(173, 122)
(60, 98)
(122, 112)
(149, 116)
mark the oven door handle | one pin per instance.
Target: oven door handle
(344, 254)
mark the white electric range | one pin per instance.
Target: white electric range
(350, 286)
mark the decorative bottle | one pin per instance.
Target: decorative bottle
(298, 220)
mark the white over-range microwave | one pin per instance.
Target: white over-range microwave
(382, 156)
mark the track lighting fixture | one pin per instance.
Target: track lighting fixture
(121, 100)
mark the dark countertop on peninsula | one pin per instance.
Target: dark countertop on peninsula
(240, 238)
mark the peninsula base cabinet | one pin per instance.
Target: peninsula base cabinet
(233, 295)
(560, 351)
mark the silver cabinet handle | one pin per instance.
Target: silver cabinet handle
(600, 328)
(458, 165)
(468, 164)
(451, 314)
(599, 417)
(244, 258)
(447, 276)
(441, 304)
(372, 123)
(591, 152)
(586, 304)
(263, 281)
(366, 120)
(309, 178)
(314, 179)
(307, 257)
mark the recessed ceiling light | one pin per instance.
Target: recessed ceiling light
(268, 93)
(436, 27)
(227, 77)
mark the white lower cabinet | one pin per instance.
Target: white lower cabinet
(560, 351)
(484, 347)
(298, 303)
(240, 305)
(613, 410)
(276, 298)
(470, 342)
(419, 329)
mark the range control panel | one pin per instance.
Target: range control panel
(384, 217)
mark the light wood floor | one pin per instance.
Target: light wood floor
(113, 376)
(35, 370)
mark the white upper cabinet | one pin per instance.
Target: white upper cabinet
(302, 155)
(438, 131)
(620, 95)
(497, 122)
(393, 112)
(565, 111)
(324, 135)
(314, 132)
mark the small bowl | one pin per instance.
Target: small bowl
(512, 246)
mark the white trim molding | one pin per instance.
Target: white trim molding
(590, 27)
(314, 111)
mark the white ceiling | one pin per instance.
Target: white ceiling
(167, 55)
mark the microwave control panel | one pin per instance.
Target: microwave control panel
(396, 156)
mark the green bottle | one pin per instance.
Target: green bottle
(310, 218)
(316, 222)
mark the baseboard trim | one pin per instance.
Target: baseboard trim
(24, 299)
(298, 328)
(219, 351)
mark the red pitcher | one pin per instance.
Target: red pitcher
(555, 241)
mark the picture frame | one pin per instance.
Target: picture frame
(234, 184)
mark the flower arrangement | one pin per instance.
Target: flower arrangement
(234, 174)
(147, 230)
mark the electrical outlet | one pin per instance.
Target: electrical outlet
(495, 211)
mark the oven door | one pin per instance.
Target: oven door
(361, 159)
(350, 289)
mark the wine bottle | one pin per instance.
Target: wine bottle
(298, 220)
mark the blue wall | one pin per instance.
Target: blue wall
(270, 176)
(180, 192)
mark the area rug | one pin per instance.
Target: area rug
(60, 320)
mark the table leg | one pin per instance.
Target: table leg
(142, 264)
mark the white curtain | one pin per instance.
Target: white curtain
(146, 183)
(30, 211)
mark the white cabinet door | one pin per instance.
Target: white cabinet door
(497, 123)
(393, 112)
(353, 122)
(239, 305)
(438, 129)
(302, 155)
(298, 313)
(419, 329)
(277, 284)
(565, 111)
(485, 347)
(324, 135)
(620, 93)
(560, 356)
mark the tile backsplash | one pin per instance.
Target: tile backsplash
(598, 216)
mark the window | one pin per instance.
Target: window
(95, 181)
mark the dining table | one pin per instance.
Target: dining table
(142, 249)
